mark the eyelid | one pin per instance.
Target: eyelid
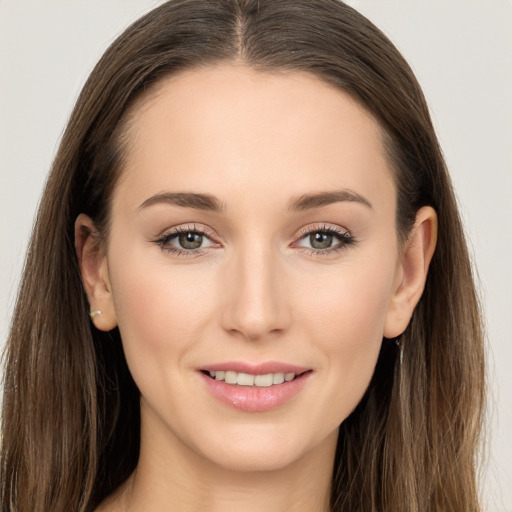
(320, 226)
(163, 239)
(343, 234)
(185, 228)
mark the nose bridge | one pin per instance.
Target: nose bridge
(256, 303)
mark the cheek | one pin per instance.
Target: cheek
(160, 310)
(348, 308)
(345, 318)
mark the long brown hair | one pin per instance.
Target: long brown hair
(70, 426)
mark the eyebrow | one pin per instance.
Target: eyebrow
(187, 200)
(211, 203)
(317, 200)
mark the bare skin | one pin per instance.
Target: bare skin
(257, 273)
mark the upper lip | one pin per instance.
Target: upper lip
(255, 368)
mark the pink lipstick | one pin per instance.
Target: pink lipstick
(254, 387)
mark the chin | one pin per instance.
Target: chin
(262, 450)
(248, 461)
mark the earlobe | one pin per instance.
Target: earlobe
(92, 262)
(412, 272)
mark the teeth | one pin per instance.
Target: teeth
(264, 381)
(230, 377)
(246, 379)
(278, 378)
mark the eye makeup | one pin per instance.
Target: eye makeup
(193, 240)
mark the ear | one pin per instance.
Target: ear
(412, 272)
(94, 269)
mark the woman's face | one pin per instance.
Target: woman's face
(253, 232)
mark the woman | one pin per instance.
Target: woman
(248, 284)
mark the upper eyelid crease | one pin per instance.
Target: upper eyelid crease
(301, 234)
(322, 228)
(176, 231)
(211, 203)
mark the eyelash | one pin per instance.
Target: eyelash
(164, 241)
(346, 239)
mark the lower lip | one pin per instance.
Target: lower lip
(255, 399)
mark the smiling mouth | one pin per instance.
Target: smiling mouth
(246, 379)
(257, 387)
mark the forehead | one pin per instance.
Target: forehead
(208, 128)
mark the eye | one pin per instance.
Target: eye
(185, 241)
(321, 240)
(324, 240)
(190, 240)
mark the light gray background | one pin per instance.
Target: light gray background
(462, 54)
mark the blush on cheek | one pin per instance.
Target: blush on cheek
(159, 305)
(354, 310)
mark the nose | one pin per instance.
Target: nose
(255, 300)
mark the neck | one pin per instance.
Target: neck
(170, 476)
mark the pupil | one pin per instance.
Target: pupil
(320, 240)
(190, 240)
